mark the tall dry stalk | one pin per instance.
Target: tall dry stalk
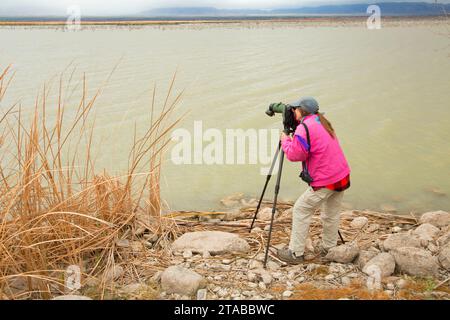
(56, 210)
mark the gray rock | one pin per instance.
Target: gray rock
(415, 261)
(364, 257)
(71, 297)
(345, 253)
(201, 294)
(359, 222)
(266, 278)
(215, 242)
(444, 239)
(397, 229)
(426, 231)
(266, 214)
(256, 230)
(187, 254)
(444, 257)
(176, 279)
(384, 261)
(436, 218)
(400, 240)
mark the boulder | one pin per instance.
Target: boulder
(444, 239)
(415, 261)
(214, 242)
(399, 240)
(384, 261)
(436, 218)
(71, 297)
(426, 231)
(364, 257)
(176, 279)
(266, 214)
(359, 223)
(345, 253)
(444, 257)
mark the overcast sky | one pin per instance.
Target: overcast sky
(96, 7)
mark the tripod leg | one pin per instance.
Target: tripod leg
(340, 236)
(277, 190)
(269, 175)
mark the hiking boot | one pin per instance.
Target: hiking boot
(288, 256)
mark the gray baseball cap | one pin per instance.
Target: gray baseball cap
(308, 104)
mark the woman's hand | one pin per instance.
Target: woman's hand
(283, 136)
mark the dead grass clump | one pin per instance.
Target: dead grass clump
(56, 210)
(308, 291)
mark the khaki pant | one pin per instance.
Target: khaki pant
(303, 210)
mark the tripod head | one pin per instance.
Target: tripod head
(289, 122)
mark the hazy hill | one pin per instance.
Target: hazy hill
(387, 8)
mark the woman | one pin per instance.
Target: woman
(329, 171)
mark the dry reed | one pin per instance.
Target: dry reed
(56, 210)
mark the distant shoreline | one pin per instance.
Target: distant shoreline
(304, 20)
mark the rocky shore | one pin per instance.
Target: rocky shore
(212, 255)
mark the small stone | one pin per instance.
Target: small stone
(359, 222)
(397, 229)
(272, 265)
(389, 292)
(201, 294)
(287, 294)
(251, 276)
(401, 283)
(226, 267)
(218, 278)
(266, 214)
(252, 285)
(262, 285)
(254, 264)
(223, 292)
(187, 254)
(226, 261)
(266, 278)
(390, 286)
(206, 255)
(329, 277)
(256, 230)
(372, 227)
(267, 228)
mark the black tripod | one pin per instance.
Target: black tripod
(277, 190)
